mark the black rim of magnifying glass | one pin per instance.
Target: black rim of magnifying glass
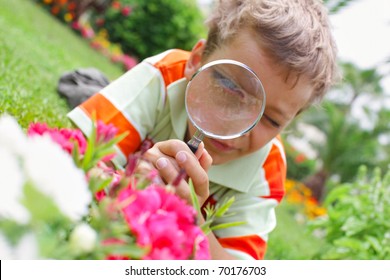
(233, 62)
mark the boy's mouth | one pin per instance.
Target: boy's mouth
(221, 146)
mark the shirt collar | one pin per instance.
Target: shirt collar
(176, 100)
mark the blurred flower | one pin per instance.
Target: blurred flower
(53, 172)
(126, 11)
(61, 200)
(162, 222)
(116, 5)
(26, 248)
(129, 62)
(12, 136)
(87, 32)
(66, 138)
(106, 132)
(12, 181)
(298, 193)
(92, 28)
(68, 17)
(83, 238)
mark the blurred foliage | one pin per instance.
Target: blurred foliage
(298, 165)
(347, 145)
(153, 26)
(357, 81)
(357, 225)
(335, 6)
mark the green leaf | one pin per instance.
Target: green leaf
(375, 244)
(98, 184)
(353, 225)
(46, 209)
(227, 225)
(194, 199)
(131, 251)
(12, 230)
(351, 244)
(88, 155)
(221, 209)
(76, 154)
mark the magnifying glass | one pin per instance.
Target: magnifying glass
(224, 100)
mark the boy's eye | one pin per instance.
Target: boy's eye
(271, 121)
(227, 83)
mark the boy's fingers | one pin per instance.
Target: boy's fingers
(205, 160)
(167, 170)
(195, 171)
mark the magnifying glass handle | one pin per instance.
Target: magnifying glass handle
(194, 142)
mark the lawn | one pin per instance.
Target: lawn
(36, 49)
(291, 239)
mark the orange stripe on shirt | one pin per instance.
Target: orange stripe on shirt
(275, 173)
(252, 245)
(105, 111)
(172, 65)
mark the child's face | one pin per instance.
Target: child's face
(285, 97)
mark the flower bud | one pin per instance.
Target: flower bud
(83, 238)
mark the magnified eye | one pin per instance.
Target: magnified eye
(227, 83)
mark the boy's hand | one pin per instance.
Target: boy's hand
(170, 156)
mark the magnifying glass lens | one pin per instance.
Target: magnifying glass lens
(224, 99)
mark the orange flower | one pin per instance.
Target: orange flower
(298, 193)
(68, 17)
(300, 158)
(72, 6)
(55, 10)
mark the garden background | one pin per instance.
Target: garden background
(338, 193)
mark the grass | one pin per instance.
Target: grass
(36, 49)
(291, 240)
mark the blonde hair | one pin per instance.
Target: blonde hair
(296, 33)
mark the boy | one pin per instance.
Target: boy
(288, 44)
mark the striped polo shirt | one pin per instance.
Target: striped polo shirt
(148, 103)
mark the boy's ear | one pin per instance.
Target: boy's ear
(195, 60)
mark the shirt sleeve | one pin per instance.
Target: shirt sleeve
(249, 240)
(131, 103)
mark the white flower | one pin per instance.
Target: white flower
(52, 171)
(6, 251)
(83, 238)
(11, 135)
(26, 249)
(11, 184)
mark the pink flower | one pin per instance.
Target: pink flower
(129, 62)
(75, 25)
(105, 132)
(164, 223)
(116, 58)
(87, 32)
(131, 164)
(100, 195)
(95, 45)
(65, 137)
(126, 11)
